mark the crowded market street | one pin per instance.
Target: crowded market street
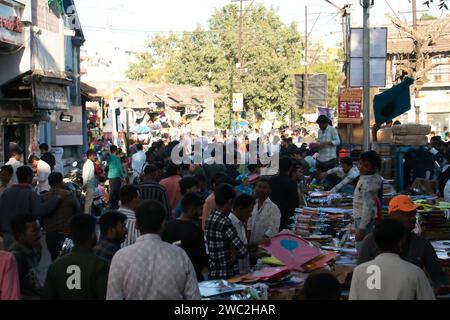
(255, 157)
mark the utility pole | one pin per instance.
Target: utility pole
(345, 11)
(239, 53)
(112, 105)
(305, 79)
(416, 94)
(241, 27)
(367, 4)
(346, 41)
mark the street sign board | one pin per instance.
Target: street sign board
(69, 133)
(350, 102)
(51, 96)
(317, 90)
(238, 102)
(378, 49)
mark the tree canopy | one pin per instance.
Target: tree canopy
(271, 52)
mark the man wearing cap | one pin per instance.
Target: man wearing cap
(416, 249)
(328, 141)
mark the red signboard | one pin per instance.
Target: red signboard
(350, 103)
(11, 23)
(11, 28)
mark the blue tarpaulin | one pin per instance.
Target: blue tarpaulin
(393, 102)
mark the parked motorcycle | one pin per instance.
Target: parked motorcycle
(74, 183)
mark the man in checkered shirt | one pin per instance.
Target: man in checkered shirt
(223, 242)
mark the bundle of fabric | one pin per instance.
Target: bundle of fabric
(385, 135)
(410, 134)
(411, 129)
(411, 140)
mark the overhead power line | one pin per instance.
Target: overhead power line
(393, 11)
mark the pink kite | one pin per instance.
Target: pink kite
(292, 250)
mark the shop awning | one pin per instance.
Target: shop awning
(46, 90)
(34, 118)
(61, 78)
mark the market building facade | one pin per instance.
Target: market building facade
(40, 99)
(132, 111)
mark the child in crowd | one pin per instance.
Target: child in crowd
(366, 192)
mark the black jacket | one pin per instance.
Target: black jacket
(285, 196)
(50, 159)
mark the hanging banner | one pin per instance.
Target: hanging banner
(393, 102)
(327, 112)
(350, 106)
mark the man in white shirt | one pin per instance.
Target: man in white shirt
(15, 162)
(43, 170)
(275, 145)
(242, 211)
(388, 276)
(138, 161)
(129, 200)
(347, 173)
(151, 269)
(328, 140)
(89, 181)
(265, 220)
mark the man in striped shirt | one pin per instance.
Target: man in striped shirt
(129, 200)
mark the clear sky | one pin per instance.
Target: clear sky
(134, 21)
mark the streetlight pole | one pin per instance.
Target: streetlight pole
(241, 27)
(366, 4)
(416, 94)
(239, 53)
(305, 90)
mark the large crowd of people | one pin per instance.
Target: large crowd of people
(167, 226)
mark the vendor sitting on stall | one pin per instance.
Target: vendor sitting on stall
(416, 249)
(341, 179)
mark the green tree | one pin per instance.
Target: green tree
(427, 17)
(142, 68)
(270, 51)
